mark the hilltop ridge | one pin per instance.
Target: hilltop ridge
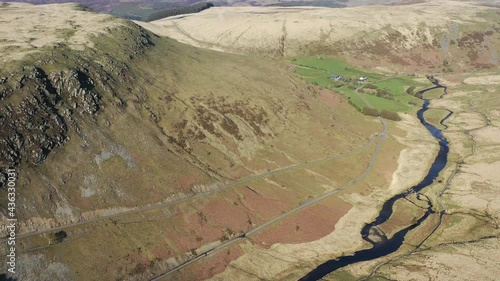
(418, 37)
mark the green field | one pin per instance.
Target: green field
(435, 115)
(433, 94)
(317, 70)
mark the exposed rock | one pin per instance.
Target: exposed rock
(39, 107)
(37, 124)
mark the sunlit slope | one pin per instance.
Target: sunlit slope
(129, 120)
(137, 113)
(438, 35)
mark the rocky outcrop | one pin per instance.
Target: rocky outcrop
(38, 107)
(38, 123)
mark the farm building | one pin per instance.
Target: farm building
(336, 77)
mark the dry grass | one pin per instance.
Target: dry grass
(382, 183)
(459, 248)
(483, 80)
(25, 28)
(192, 120)
(196, 118)
(261, 29)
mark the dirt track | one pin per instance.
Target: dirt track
(382, 137)
(200, 195)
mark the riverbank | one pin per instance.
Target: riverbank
(464, 245)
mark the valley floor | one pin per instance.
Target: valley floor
(464, 245)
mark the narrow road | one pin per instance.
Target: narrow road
(199, 195)
(383, 136)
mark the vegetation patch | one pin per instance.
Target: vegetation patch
(363, 88)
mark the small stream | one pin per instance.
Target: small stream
(381, 244)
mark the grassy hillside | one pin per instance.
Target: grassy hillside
(125, 119)
(428, 37)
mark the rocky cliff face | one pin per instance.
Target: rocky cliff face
(34, 126)
(39, 107)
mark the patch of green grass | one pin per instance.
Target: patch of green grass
(399, 84)
(435, 115)
(317, 70)
(385, 104)
(433, 94)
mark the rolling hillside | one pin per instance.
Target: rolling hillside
(436, 36)
(143, 152)
(100, 119)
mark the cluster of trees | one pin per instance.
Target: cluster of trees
(390, 115)
(370, 111)
(411, 91)
(370, 86)
(179, 11)
(432, 79)
(381, 93)
(373, 112)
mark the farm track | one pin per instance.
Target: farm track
(383, 136)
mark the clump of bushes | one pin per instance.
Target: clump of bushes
(384, 94)
(337, 84)
(370, 111)
(390, 115)
(432, 79)
(410, 90)
(370, 86)
(351, 87)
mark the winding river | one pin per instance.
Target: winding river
(382, 245)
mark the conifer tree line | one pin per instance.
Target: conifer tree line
(198, 7)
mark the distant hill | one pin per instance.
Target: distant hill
(431, 36)
(142, 9)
